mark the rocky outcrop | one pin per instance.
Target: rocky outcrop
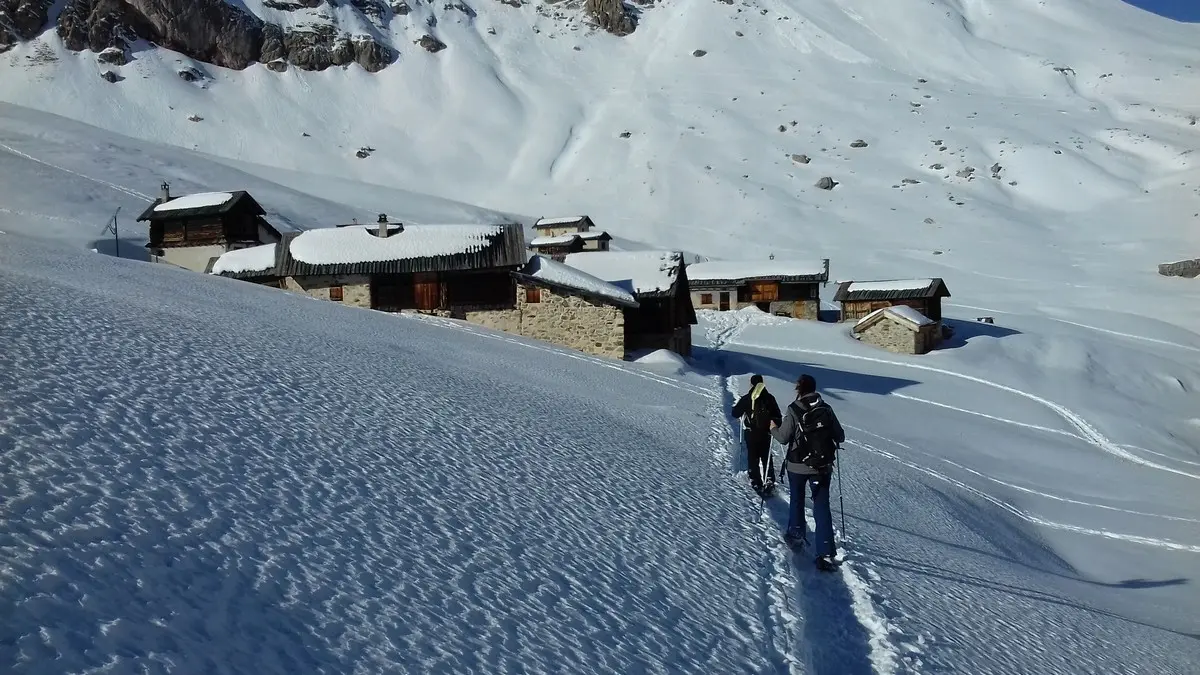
(207, 30)
(431, 44)
(22, 20)
(1188, 269)
(322, 46)
(611, 15)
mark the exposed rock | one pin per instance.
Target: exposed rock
(782, 127)
(402, 8)
(364, 152)
(910, 181)
(996, 170)
(1188, 269)
(860, 143)
(937, 167)
(801, 159)
(929, 221)
(431, 44)
(322, 46)
(826, 183)
(292, 6)
(965, 173)
(611, 15)
(195, 118)
(625, 134)
(699, 52)
(22, 20)
(373, 9)
(190, 74)
(465, 9)
(113, 56)
(212, 31)
(111, 76)
(738, 32)
(278, 65)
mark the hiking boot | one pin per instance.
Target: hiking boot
(825, 563)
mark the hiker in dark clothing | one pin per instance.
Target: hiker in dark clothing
(811, 431)
(758, 411)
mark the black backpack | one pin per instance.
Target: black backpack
(815, 446)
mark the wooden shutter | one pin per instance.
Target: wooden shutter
(533, 295)
(764, 291)
(427, 291)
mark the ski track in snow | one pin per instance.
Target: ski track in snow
(1023, 515)
(1089, 433)
(1131, 336)
(860, 639)
(114, 186)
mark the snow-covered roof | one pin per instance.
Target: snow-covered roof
(599, 234)
(359, 244)
(562, 220)
(902, 313)
(195, 201)
(891, 289)
(559, 274)
(893, 285)
(640, 272)
(245, 260)
(714, 270)
(555, 240)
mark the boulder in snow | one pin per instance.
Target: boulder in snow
(611, 15)
(113, 56)
(826, 183)
(699, 52)
(801, 159)
(110, 76)
(860, 143)
(431, 44)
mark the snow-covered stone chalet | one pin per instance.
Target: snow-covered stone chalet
(477, 273)
(781, 287)
(658, 281)
(190, 230)
(900, 329)
(860, 298)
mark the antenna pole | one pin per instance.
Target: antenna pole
(116, 239)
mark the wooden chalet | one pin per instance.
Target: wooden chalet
(658, 281)
(860, 298)
(783, 288)
(450, 270)
(593, 240)
(190, 230)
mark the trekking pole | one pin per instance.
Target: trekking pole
(841, 502)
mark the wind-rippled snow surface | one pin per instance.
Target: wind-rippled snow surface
(196, 479)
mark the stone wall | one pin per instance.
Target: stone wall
(356, 289)
(1188, 269)
(572, 321)
(897, 338)
(799, 309)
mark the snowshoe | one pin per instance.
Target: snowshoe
(796, 542)
(826, 563)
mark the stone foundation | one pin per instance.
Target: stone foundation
(898, 338)
(356, 289)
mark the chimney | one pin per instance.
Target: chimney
(383, 226)
(166, 191)
(826, 261)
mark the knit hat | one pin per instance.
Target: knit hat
(806, 384)
(755, 379)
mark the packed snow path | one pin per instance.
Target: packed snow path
(964, 570)
(204, 475)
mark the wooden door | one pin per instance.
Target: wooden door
(764, 291)
(427, 291)
(724, 301)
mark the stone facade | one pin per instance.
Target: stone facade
(356, 289)
(899, 337)
(573, 321)
(799, 309)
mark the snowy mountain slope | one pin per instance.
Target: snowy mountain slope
(1010, 516)
(205, 475)
(64, 180)
(1086, 106)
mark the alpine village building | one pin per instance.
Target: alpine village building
(478, 273)
(189, 230)
(783, 288)
(900, 315)
(558, 237)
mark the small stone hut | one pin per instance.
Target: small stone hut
(899, 329)
(783, 288)
(658, 281)
(189, 230)
(557, 246)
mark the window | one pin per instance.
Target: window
(487, 289)
(706, 298)
(335, 293)
(533, 295)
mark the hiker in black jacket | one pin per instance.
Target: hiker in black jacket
(812, 433)
(758, 410)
